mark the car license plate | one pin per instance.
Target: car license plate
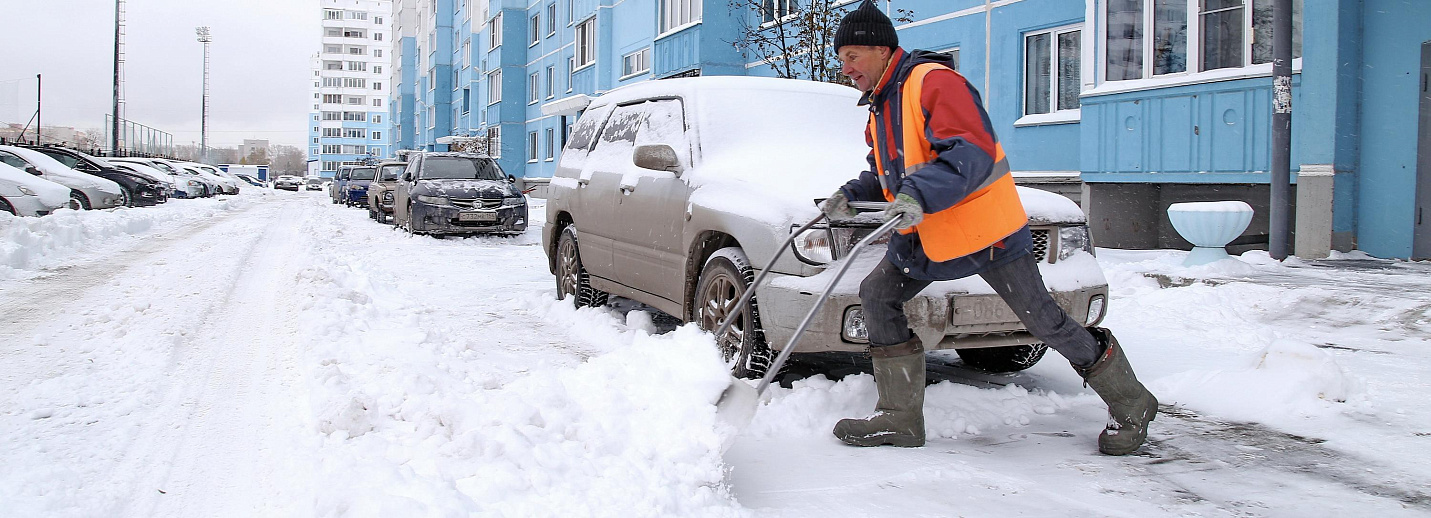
(477, 216)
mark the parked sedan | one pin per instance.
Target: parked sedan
(338, 187)
(139, 190)
(88, 191)
(667, 194)
(24, 194)
(185, 184)
(381, 193)
(313, 183)
(287, 183)
(355, 191)
(458, 193)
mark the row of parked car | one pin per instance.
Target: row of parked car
(37, 180)
(435, 193)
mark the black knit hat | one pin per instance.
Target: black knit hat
(866, 25)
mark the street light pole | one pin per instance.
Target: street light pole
(1279, 224)
(204, 38)
(118, 63)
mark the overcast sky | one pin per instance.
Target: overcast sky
(259, 76)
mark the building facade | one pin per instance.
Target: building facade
(1135, 104)
(351, 121)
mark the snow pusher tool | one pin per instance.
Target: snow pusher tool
(738, 403)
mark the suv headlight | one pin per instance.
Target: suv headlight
(515, 201)
(1073, 239)
(387, 196)
(854, 329)
(25, 190)
(814, 246)
(433, 200)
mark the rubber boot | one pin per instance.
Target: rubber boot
(898, 419)
(1130, 405)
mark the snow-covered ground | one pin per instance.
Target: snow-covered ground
(276, 355)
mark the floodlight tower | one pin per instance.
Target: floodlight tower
(204, 38)
(114, 130)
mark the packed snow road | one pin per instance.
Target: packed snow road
(276, 355)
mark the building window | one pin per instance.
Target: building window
(331, 14)
(332, 49)
(332, 132)
(357, 51)
(378, 102)
(377, 119)
(354, 33)
(570, 69)
(535, 30)
(355, 100)
(494, 32)
(774, 10)
(354, 82)
(333, 32)
(533, 89)
(377, 86)
(377, 53)
(550, 144)
(377, 36)
(332, 65)
(332, 82)
(551, 19)
(333, 98)
(494, 141)
(531, 147)
(467, 53)
(355, 133)
(1222, 33)
(377, 69)
(551, 80)
(586, 43)
(466, 100)
(675, 13)
(377, 135)
(357, 66)
(1051, 70)
(494, 86)
(636, 63)
(378, 20)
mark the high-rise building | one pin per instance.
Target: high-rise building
(350, 122)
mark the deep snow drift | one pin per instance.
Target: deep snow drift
(379, 374)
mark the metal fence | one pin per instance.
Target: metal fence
(136, 139)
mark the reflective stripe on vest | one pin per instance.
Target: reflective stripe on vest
(986, 216)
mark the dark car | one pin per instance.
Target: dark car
(458, 193)
(287, 183)
(338, 186)
(381, 193)
(141, 191)
(355, 190)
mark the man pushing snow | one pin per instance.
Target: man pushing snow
(934, 156)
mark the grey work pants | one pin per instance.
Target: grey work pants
(886, 289)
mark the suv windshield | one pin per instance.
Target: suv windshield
(391, 172)
(458, 168)
(365, 173)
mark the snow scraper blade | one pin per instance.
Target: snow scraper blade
(738, 403)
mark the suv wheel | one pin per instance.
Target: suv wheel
(1012, 358)
(125, 198)
(724, 279)
(571, 278)
(5, 207)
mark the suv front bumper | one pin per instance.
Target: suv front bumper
(445, 219)
(959, 314)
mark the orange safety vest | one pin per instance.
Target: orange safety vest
(986, 216)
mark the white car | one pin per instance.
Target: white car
(143, 167)
(92, 192)
(211, 185)
(24, 194)
(230, 185)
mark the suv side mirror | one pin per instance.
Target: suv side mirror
(34, 170)
(511, 179)
(407, 177)
(659, 157)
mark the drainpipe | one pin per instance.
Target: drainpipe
(1280, 213)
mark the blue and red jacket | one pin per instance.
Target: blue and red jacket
(964, 158)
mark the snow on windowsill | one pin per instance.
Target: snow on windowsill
(1044, 119)
(1185, 79)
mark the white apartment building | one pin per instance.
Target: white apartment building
(350, 120)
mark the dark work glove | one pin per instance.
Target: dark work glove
(837, 207)
(907, 209)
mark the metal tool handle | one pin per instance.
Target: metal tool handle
(870, 205)
(839, 274)
(750, 291)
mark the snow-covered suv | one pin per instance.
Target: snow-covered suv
(668, 192)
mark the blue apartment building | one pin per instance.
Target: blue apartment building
(1137, 104)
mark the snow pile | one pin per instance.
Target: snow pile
(424, 415)
(30, 244)
(1284, 381)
